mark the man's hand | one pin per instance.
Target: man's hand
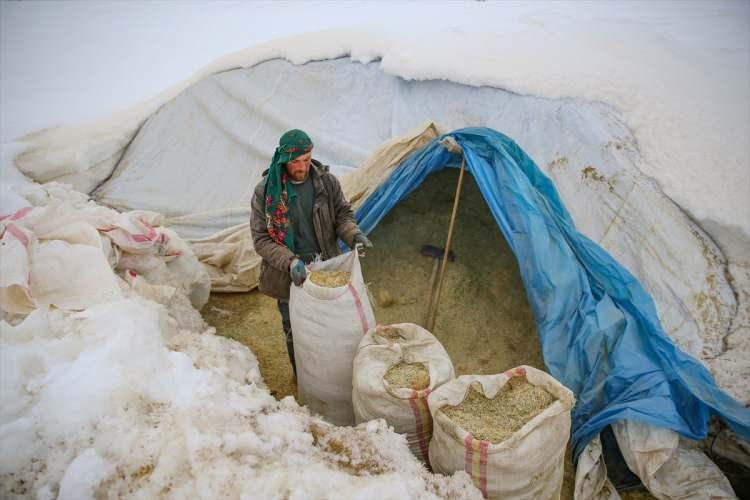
(361, 239)
(298, 272)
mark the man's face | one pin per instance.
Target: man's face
(299, 167)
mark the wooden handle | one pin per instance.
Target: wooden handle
(433, 317)
(433, 275)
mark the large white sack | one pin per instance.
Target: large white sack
(71, 276)
(405, 409)
(327, 325)
(15, 289)
(592, 482)
(527, 465)
(669, 467)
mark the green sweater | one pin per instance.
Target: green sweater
(301, 221)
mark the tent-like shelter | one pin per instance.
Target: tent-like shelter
(599, 329)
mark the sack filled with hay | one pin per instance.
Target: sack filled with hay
(330, 313)
(395, 370)
(507, 431)
(330, 279)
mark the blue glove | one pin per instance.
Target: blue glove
(298, 272)
(361, 239)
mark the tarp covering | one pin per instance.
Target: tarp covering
(598, 327)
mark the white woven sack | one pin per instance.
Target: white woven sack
(527, 465)
(327, 325)
(403, 408)
(15, 266)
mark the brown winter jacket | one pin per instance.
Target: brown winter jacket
(332, 218)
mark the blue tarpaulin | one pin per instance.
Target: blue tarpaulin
(599, 330)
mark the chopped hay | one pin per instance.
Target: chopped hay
(408, 376)
(349, 449)
(496, 419)
(390, 333)
(385, 299)
(255, 322)
(484, 320)
(330, 279)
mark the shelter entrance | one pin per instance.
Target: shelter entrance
(484, 319)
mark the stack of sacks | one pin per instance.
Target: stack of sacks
(395, 369)
(110, 388)
(62, 249)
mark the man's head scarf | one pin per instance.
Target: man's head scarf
(278, 192)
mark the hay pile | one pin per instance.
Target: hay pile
(484, 320)
(330, 279)
(496, 419)
(408, 375)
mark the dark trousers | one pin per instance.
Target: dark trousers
(286, 325)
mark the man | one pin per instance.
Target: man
(298, 212)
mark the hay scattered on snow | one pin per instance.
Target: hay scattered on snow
(496, 419)
(330, 279)
(408, 375)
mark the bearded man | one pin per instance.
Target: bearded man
(298, 214)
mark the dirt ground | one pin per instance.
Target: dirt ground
(253, 319)
(484, 319)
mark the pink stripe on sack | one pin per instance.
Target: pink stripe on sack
(469, 454)
(421, 427)
(21, 213)
(483, 449)
(515, 372)
(149, 236)
(360, 309)
(18, 214)
(19, 235)
(150, 233)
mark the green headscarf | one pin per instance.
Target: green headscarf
(278, 192)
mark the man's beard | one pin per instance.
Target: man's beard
(299, 175)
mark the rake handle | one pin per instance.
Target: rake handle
(431, 321)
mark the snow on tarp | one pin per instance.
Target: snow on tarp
(111, 384)
(600, 333)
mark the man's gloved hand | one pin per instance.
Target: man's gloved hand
(298, 272)
(361, 239)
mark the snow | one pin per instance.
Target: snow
(83, 476)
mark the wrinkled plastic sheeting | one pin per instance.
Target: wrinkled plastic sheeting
(600, 333)
(592, 482)
(668, 466)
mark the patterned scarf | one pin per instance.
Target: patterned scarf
(278, 192)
